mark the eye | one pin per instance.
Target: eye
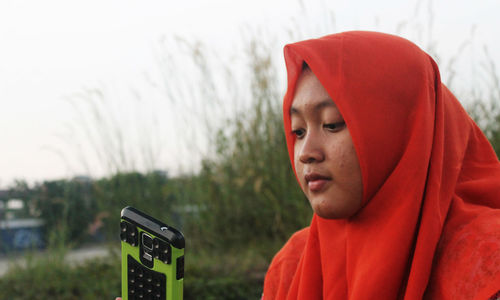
(299, 133)
(335, 127)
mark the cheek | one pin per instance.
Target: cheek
(349, 167)
(343, 157)
(296, 155)
(348, 157)
(299, 168)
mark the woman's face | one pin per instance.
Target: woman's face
(324, 156)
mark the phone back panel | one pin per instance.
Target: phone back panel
(152, 258)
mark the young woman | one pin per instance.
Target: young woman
(404, 186)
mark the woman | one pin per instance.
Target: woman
(404, 186)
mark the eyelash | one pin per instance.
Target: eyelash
(298, 133)
(333, 127)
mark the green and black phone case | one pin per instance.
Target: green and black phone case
(152, 258)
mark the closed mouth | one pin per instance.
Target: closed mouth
(315, 177)
(316, 183)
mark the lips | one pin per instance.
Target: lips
(316, 182)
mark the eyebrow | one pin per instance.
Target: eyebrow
(328, 102)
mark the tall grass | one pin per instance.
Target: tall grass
(51, 277)
(484, 104)
(246, 191)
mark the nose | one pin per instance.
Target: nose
(312, 149)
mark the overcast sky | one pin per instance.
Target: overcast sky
(51, 50)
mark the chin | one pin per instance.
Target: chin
(331, 215)
(327, 210)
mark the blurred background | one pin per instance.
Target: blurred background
(175, 108)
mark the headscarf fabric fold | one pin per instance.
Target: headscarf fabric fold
(429, 227)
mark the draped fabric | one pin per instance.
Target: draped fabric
(429, 227)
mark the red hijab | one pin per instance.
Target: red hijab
(430, 223)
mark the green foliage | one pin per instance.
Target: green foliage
(222, 287)
(234, 277)
(484, 104)
(20, 190)
(147, 192)
(50, 277)
(236, 273)
(487, 116)
(69, 207)
(66, 206)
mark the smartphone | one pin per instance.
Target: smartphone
(152, 258)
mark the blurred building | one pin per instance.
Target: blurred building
(17, 232)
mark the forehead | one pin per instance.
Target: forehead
(310, 94)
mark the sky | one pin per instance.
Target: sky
(55, 54)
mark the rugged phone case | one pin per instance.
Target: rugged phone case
(152, 258)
